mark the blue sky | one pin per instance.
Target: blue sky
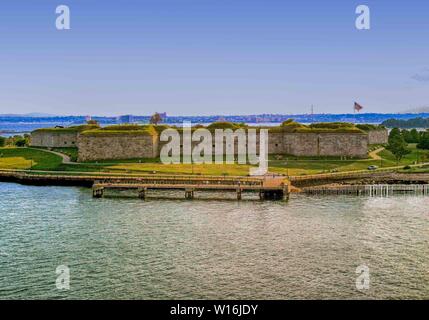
(190, 57)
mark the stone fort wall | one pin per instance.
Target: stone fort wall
(309, 144)
(378, 136)
(298, 144)
(129, 146)
(319, 144)
(105, 147)
(53, 139)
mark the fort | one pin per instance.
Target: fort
(143, 141)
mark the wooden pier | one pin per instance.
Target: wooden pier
(267, 188)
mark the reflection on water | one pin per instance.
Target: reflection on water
(128, 248)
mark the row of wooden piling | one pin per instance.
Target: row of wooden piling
(369, 190)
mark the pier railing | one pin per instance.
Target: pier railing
(370, 190)
(351, 174)
(180, 180)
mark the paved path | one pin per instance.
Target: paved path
(66, 158)
(374, 154)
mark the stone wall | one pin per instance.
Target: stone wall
(53, 139)
(92, 147)
(122, 146)
(378, 136)
(325, 144)
(103, 147)
(214, 149)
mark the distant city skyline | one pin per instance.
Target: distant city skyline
(213, 57)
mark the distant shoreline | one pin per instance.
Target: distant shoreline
(260, 119)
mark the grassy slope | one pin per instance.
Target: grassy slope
(23, 158)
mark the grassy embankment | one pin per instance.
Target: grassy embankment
(23, 158)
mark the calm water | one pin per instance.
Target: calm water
(127, 248)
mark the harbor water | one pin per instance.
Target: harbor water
(124, 248)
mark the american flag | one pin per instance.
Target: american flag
(357, 107)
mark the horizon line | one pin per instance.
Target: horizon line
(34, 114)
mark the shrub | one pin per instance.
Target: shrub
(21, 142)
(332, 125)
(2, 141)
(291, 126)
(225, 125)
(369, 127)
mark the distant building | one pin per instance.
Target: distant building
(88, 118)
(125, 119)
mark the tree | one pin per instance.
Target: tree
(2, 141)
(397, 146)
(407, 136)
(395, 132)
(415, 136)
(21, 142)
(424, 141)
(92, 122)
(156, 118)
(412, 136)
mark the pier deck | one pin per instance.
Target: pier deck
(271, 188)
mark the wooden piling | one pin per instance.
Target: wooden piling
(142, 193)
(189, 194)
(238, 193)
(285, 191)
(97, 192)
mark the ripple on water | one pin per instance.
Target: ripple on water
(158, 249)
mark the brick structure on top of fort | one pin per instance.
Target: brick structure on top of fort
(143, 141)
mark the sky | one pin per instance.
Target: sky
(205, 57)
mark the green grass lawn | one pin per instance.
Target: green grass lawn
(301, 167)
(202, 169)
(23, 158)
(416, 155)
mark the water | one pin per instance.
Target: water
(159, 249)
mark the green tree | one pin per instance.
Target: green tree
(397, 146)
(424, 141)
(395, 132)
(415, 136)
(2, 141)
(407, 136)
(20, 142)
(156, 118)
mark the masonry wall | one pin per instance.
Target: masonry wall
(104, 147)
(53, 139)
(311, 144)
(378, 136)
(227, 144)
(324, 144)
(123, 146)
